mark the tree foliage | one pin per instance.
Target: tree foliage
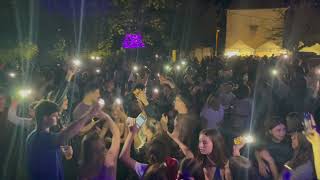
(59, 50)
(23, 51)
(150, 18)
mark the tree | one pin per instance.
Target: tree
(302, 26)
(23, 51)
(151, 18)
(59, 50)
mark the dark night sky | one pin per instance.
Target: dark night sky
(52, 19)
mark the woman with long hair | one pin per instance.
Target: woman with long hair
(301, 164)
(100, 163)
(212, 155)
(157, 153)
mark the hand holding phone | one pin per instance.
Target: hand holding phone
(140, 120)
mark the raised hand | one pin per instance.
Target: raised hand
(142, 97)
(164, 122)
(310, 131)
(131, 122)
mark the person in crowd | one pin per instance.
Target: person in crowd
(226, 95)
(212, 113)
(26, 122)
(241, 111)
(119, 116)
(313, 136)
(43, 146)
(240, 166)
(156, 172)
(212, 155)
(190, 169)
(3, 122)
(108, 93)
(98, 162)
(186, 123)
(91, 96)
(300, 166)
(157, 153)
(276, 144)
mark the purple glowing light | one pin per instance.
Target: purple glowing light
(132, 41)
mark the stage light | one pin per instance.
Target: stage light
(98, 71)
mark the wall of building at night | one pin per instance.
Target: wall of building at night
(255, 28)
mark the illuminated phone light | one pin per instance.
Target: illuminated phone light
(101, 102)
(25, 92)
(274, 72)
(156, 90)
(12, 75)
(118, 101)
(178, 67)
(77, 62)
(135, 68)
(249, 139)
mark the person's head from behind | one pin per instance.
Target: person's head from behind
(276, 129)
(52, 95)
(91, 92)
(132, 107)
(190, 169)
(213, 102)
(109, 85)
(157, 151)
(156, 172)
(46, 113)
(226, 87)
(295, 127)
(242, 92)
(93, 149)
(138, 88)
(211, 145)
(182, 103)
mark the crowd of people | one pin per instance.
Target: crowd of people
(218, 119)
